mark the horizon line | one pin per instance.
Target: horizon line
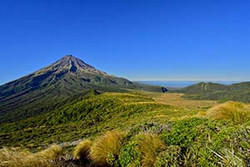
(186, 80)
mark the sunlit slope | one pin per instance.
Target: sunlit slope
(90, 115)
(179, 100)
(136, 128)
(212, 91)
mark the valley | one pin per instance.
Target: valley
(171, 119)
(178, 99)
(111, 121)
(124, 83)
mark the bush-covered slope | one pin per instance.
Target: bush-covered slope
(188, 142)
(86, 115)
(213, 91)
(140, 132)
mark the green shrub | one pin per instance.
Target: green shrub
(130, 155)
(183, 133)
(171, 156)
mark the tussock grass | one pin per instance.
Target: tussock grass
(149, 145)
(106, 148)
(228, 158)
(23, 158)
(82, 150)
(236, 112)
(53, 152)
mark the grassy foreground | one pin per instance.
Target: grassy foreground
(131, 129)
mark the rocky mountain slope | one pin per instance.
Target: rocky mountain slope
(49, 87)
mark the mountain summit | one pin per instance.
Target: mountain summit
(70, 65)
(48, 87)
(74, 65)
(68, 72)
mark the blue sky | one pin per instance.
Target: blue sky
(137, 39)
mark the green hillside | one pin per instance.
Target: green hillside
(86, 115)
(148, 133)
(213, 91)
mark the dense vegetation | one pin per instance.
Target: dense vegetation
(187, 142)
(129, 129)
(212, 91)
(86, 115)
(71, 114)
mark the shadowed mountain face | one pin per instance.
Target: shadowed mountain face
(45, 89)
(63, 72)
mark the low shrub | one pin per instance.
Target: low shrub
(171, 156)
(183, 132)
(130, 155)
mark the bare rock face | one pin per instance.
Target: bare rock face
(72, 64)
(69, 65)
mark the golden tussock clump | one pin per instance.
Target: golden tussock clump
(149, 145)
(106, 146)
(53, 152)
(82, 150)
(23, 158)
(236, 112)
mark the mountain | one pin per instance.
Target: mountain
(214, 91)
(49, 87)
(204, 87)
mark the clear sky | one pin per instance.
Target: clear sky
(137, 39)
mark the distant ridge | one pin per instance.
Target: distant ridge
(46, 88)
(182, 83)
(214, 91)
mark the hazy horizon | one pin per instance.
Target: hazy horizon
(183, 84)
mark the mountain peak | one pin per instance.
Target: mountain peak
(69, 58)
(52, 84)
(69, 63)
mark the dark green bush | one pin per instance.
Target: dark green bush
(130, 155)
(169, 157)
